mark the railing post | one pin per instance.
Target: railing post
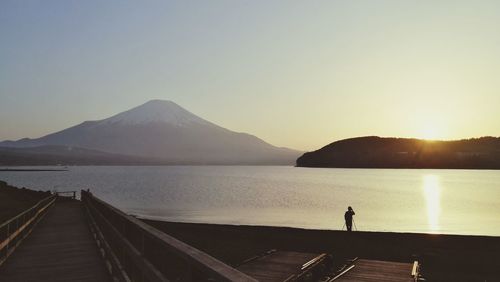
(17, 223)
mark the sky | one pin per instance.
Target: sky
(298, 74)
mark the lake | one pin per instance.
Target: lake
(396, 200)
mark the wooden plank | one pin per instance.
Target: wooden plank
(378, 271)
(280, 266)
(311, 262)
(342, 273)
(61, 248)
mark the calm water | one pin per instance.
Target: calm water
(433, 201)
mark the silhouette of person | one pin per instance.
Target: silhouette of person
(348, 218)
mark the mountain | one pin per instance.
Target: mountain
(164, 130)
(377, 152)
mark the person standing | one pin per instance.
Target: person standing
(348, 218)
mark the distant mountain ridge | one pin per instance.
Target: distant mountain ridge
(65, 155)
(378, 152)
(165, 131)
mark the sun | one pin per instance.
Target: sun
(431, 126)
(429, 133)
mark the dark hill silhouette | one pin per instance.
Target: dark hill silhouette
(378, 152)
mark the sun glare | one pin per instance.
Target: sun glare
(431, 132)
(432, 191)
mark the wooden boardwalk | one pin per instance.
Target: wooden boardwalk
(281, 266)
(378, 271)
(61, 248)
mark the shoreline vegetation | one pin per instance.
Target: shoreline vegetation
(382, 152)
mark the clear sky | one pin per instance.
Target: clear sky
(299, 74)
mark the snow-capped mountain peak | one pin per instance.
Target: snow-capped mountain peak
(156, 111)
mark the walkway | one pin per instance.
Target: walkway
(61, 248)
(378, 271)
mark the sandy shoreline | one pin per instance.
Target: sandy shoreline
(444, 257)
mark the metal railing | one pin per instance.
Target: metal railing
(14, 230)
(136, 251)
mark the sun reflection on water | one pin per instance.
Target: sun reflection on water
(432, 192)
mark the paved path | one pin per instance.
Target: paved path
(60, 248)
